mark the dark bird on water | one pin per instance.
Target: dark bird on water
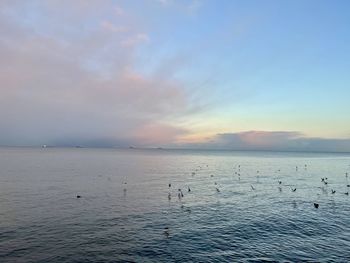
(280, 182)
(189, 189)
(166, 232)
(293, 189)
(347, 193)
(217, 190)
(333, 191)
(78, 196)
(252, 187)
(169, 185)
(316, 205)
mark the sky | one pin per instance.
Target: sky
(211, 74)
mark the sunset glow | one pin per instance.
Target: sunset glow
(175, 73)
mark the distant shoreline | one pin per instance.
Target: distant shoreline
(171, 149)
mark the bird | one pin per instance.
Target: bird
(169, 185)
(78, 196)
(217, 190)
(189, 189)
(166, 231)
(316, 205)
(347, 193)
(333, 191)
(279, 182)
(348, 185)
(252, 187)
(293, 189)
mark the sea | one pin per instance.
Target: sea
(160, 205)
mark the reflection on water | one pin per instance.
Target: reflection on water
(172, 206)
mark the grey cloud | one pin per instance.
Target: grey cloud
(272, 141)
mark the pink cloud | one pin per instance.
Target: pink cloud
(82, 88)
(157, 134)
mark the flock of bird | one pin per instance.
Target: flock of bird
(324, 180)
(237, 172)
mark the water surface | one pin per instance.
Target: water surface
(124, 210)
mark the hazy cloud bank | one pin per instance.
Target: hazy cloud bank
(272, 141)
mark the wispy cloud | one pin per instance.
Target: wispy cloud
(135, 40)
(114, 28)
(83, 89)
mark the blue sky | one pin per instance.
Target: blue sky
(176, 73)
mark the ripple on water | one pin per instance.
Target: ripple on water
(43, 221)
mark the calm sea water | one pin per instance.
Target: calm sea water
(124, 214)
